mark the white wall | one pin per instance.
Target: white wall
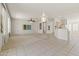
(0, 30)
(5, 24)
(17, 27)
(0, 23)
(4, 36)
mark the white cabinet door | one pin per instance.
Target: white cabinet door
(61, 34)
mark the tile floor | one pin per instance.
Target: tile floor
(41, 45)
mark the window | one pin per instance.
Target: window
(27, 27)
(69, 26)
(75, 27)
(48, 27)
(9, 25)
(40, 25)
(24, 27)
(1, 24)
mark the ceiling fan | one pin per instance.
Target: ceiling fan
(31, 20)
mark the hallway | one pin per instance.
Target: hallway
(39, 45)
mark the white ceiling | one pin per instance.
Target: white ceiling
(28, 10)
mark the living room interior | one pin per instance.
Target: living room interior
(39, 29)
